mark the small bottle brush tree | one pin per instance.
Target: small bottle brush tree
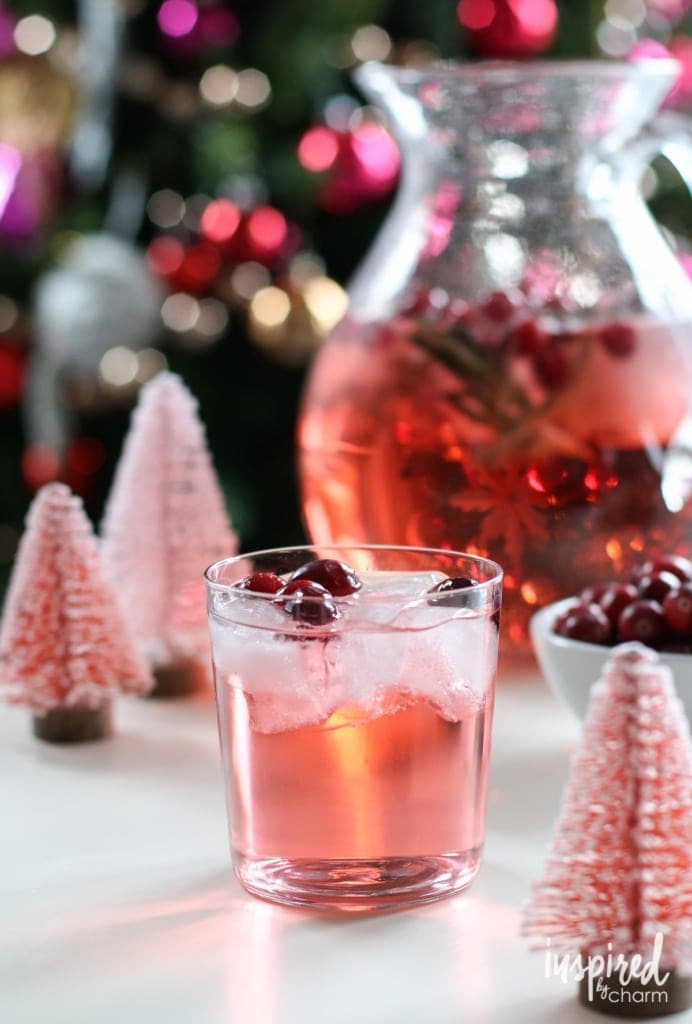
(620, 868)
(164, 523)
(65, 648)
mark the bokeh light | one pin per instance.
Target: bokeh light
(177, 18)
(220, 220)
(212, 320)
(166, 208)
(165, 256)
(254, 88)
(180, 312)
(269, 308)
(118, 367)
(266, 229)
(218, 85)
(8, 313)
(34, 35)
(476, 14)
(40, 464)
(326, 301)
(370, 42)
(11, 376)
(150, 362)
(247, 279)
(318, 149)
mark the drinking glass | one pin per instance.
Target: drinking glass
(355, 743)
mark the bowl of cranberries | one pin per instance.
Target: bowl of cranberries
(653, 606)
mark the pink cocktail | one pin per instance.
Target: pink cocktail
(355, 726)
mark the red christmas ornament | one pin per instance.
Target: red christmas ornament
(165, 522)
(620, 868)
(508, 28)
(64, 645)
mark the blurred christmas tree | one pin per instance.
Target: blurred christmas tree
(189, 183)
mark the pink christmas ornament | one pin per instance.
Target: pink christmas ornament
(165, 522)
(65, 648)
(620, 867)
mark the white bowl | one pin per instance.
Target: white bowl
(572, 666)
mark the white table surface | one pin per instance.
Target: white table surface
(118, 905)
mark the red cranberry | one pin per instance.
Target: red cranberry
(309, 602)
(643, 621)
(561, 619)
(657, 585)
(677, 564)
(586, 622)
(551, 367)
(640, 571)
(677, 609)
(615, 600)
(262, 583)
(499, 306)
(594, 593)
(529, 338)
(453, 585)
(618, 340)
(336, 577)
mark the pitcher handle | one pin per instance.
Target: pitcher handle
(671, 137)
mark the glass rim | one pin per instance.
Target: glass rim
(494, 580)
(657, 67)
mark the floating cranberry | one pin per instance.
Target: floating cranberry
(643, 621)
(336, 577)
(678, 565)
(499, 306)
(586, 622)
(677, 609)
(262, 583)
(529, 338)
(308, 602)
(454, 585)
(551, 367)
(657, 585)
(560, 480)
(618, 340)
(615, 599)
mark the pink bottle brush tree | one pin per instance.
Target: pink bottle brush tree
(619, 873)
(65, 648)
(164, 523)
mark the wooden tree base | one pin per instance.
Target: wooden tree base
(74, 725)
(179, 680)
(637, 1001)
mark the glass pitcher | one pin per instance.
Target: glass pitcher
(513, 376)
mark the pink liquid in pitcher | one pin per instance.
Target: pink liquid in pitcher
(563, 454)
